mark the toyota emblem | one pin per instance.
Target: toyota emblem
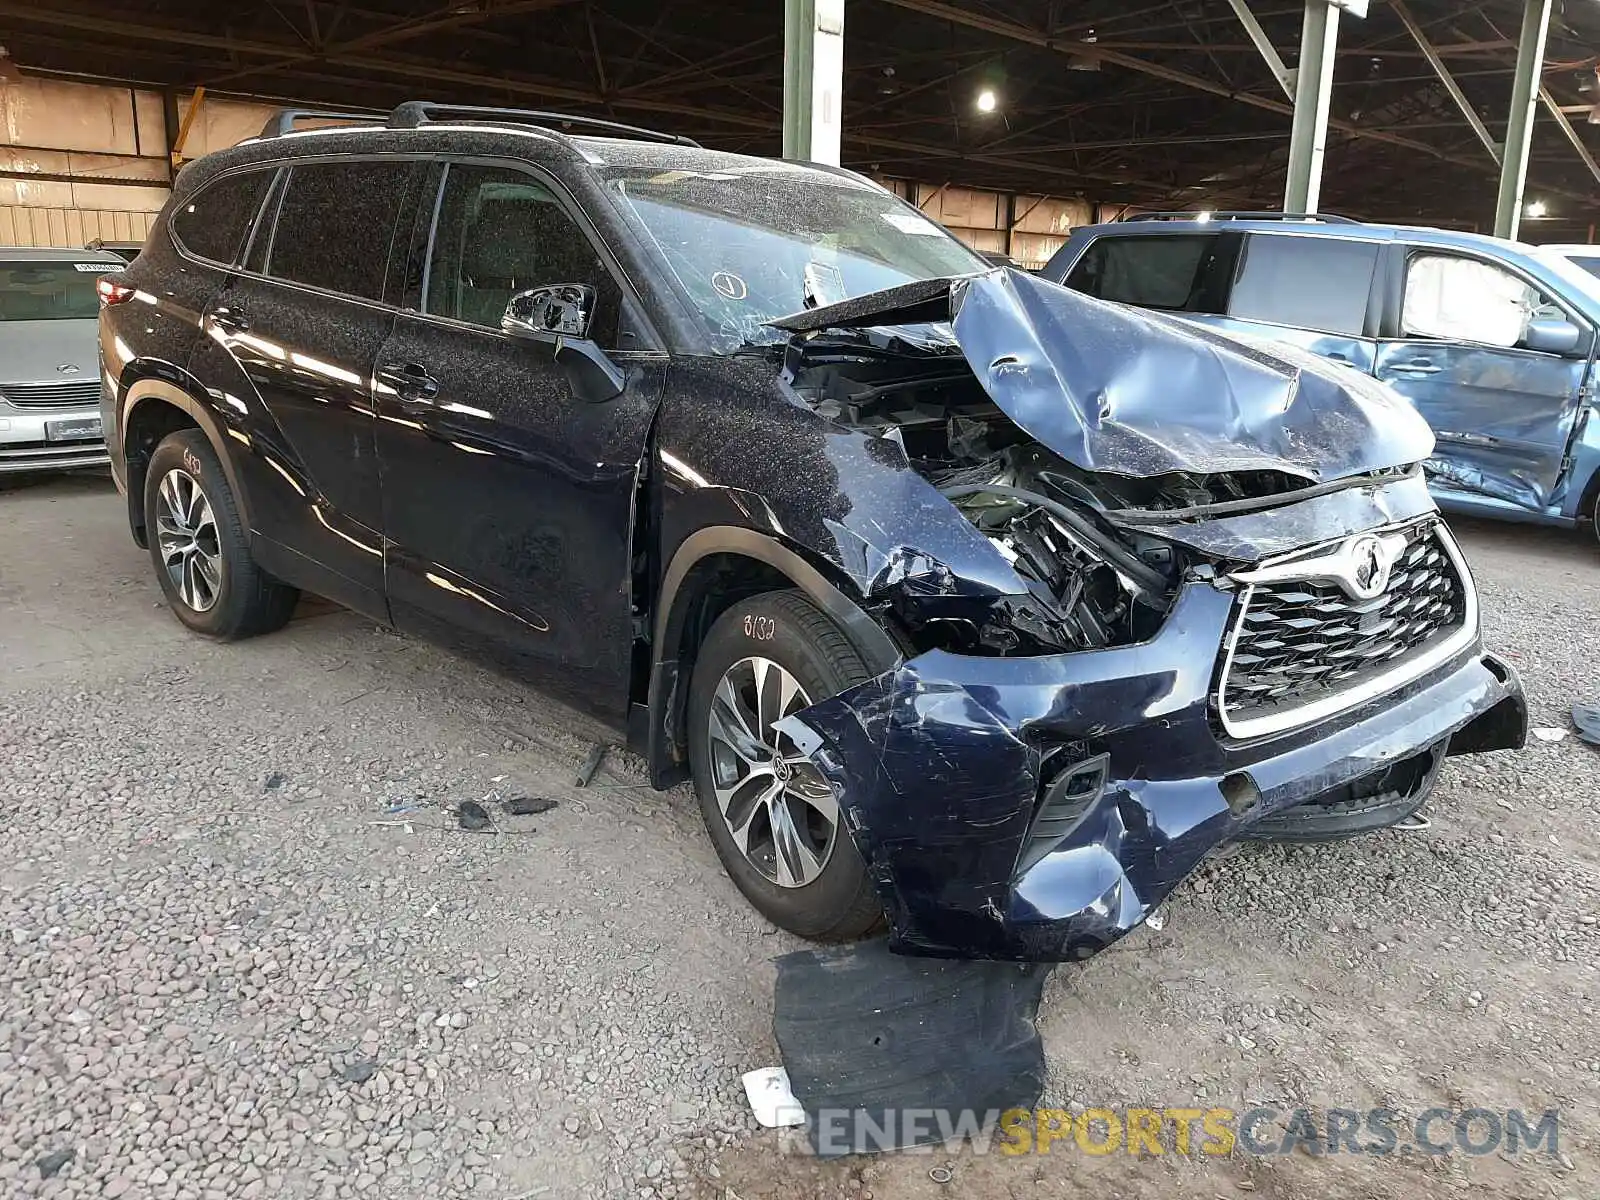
(1369, 561)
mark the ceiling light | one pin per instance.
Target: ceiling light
(1537, 209)
(986, 101)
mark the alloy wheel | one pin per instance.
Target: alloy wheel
(780, 811)
(186, 533)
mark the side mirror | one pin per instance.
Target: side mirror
(1552, 335)
(559, 315)
(556, 309)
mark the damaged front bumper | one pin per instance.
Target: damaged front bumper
(948, 768)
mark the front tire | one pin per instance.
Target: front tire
(773, 819)
(200, 548)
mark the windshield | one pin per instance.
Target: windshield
(753, 243)
(50, 291)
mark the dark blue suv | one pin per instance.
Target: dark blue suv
(1492, 341)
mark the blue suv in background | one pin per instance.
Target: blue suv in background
(1493, 341)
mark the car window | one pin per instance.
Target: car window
(1308, 282)
(1591, 265)
(213, 222)
(499, 232)
(1152, 272)
(334, 225)
(1463, 299)
(50, 291)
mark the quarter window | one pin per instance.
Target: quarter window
(1150, 271)
(212, 223)
(500, 232)
(1308, 282)
(334, 225)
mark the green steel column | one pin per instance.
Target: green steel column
(1313, 96)
(1519, 129)
(813, 79)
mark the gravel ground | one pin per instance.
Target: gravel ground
(228, 970)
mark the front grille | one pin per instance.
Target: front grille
(80, 393)
(1304, 643)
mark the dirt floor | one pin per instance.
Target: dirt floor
(244, 951)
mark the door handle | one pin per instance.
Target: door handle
(1420, 366)
(410, 382)
(229, 318)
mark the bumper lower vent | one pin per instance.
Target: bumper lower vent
(1306, 642)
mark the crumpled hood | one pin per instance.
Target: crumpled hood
(1112, 388)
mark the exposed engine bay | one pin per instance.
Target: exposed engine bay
(1097, 579)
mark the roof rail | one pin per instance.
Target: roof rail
(416, 113)
(283, 121)
(1265, 215)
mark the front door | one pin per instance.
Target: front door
(1502, 412)
(508, 504)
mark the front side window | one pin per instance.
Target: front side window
(213, 222)
(1462, 299)
(500, 232)
(334, 225)
(752, 241)
(1151, 272)
(50, 291)
(1309, 282)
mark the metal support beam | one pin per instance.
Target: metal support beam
(1449, 80)
(1519, 128)
(1308, 139)
(813, 79)
(1554, 109)
(1263, 43)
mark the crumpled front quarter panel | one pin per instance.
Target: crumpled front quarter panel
(736, 449)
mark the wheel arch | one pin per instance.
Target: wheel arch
(152, 408)
(712, 570)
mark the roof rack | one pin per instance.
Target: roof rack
(1325, 217)
(416, 113)
(283, 121)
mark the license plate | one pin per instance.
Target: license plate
(72, 429)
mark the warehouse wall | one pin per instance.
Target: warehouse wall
(80, 161)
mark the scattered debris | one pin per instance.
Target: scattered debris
(527, 806)
(404, 806)
(473, 816)
(941, 1174)
(359, 1071)
(1586, 717)
(274, 781)
(51, 1164)
(773, 1104)
(1156, 921)
(597, 755)
(1546, 733)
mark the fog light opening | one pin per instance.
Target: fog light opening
(1241, 792)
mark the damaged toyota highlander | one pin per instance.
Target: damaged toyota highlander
(970, 605)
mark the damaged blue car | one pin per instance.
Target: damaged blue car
(970, 605)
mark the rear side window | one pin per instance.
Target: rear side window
(1152, 272)
(213, 222)
(334, 225)
(1308, 282)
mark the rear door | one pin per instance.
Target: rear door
(508, 503)
(1503, 413)
(298, 332)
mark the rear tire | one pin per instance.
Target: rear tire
(200, 548)
(772, 818)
